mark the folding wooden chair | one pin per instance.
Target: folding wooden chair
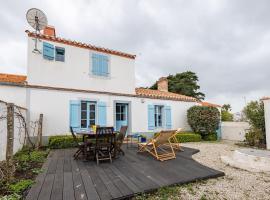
(159, 146)
(175, 143)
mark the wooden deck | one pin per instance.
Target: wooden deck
(64, 178)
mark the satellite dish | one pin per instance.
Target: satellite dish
(37, 20)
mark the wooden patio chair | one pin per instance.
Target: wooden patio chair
(104, 143)
(119, 140)
(159, 146)
(175, 143)
(80, 145)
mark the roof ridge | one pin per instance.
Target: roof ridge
(80, 44)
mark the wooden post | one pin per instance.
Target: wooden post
(10, 138)
(39, 135)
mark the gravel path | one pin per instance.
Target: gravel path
(236, 184)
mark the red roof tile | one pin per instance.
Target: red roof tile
(12, 78)
(79, 44)
(265, 98)
(142, 92)
(204, 103)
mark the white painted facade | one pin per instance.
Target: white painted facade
(75, 72)
(75, 76)
(267, 121)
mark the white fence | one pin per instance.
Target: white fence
(19, 133)
(234, 130)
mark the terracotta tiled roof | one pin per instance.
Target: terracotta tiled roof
(142, 92)
(204, 103)
(12, 78)
(79, 44)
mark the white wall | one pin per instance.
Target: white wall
(74, 72)
(12, 94)
(234, 130)
(19, 134)
(55, 107)
(267, 121)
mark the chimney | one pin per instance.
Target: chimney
(49, 30)
(162, 84)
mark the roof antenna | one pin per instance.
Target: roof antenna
(37, 20)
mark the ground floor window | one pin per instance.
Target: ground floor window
(88, 114)
(158, 116)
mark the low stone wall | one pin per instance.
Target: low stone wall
(234, 130)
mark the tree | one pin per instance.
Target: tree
(225, 113)
(185, 83)
(254, 112)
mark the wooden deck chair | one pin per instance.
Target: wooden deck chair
(175, 143)
(159, 146)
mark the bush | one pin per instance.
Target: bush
(254, 113)
(60, 142)
(20, 186)
(188, 137)
(226, 116)
(203, 119)
(210, 137)
(26, 155)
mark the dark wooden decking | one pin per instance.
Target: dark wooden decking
(64, 178)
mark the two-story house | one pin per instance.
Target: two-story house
(79, 85)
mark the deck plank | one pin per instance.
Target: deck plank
(64, 178)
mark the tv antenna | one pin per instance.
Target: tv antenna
(37, 20)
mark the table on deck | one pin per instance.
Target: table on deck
(92, 135)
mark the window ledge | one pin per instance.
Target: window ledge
(100, 76)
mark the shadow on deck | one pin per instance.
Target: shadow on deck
(65, 178)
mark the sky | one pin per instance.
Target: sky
(225, 42)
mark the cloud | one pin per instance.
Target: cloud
(225, 42)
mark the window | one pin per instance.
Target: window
(48, 51)
(158, 116)
(88, 114)
(121, 112)
(100, 65)
(59, 54)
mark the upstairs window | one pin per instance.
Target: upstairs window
(60, 54)
(158, 116)
(48, 51)
(100, 65)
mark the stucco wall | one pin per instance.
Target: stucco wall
(75, 71)
(12, 94)
(19, 134)
(267, 121)
(55, 107)
(234, 130)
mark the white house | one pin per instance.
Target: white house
(79, 85)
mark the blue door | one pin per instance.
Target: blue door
(121, 115)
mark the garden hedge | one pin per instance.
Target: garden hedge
(203, 119)
(188, 137)
(62, 141)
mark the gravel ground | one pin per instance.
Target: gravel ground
(237, 184)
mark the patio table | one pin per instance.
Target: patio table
(92, 135)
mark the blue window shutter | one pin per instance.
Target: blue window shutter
(100, 64)
(151, 117)
(168, 116)
(48, 51)
(75, 114)
(102, 114)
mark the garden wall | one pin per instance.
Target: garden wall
(19, 133)
(234, 130)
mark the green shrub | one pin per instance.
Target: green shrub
(60, 142)
(203, 119)
(210, 137)
(20, 186)
(188, 137)
(254, 137)
(11, 197)
(26, 155)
